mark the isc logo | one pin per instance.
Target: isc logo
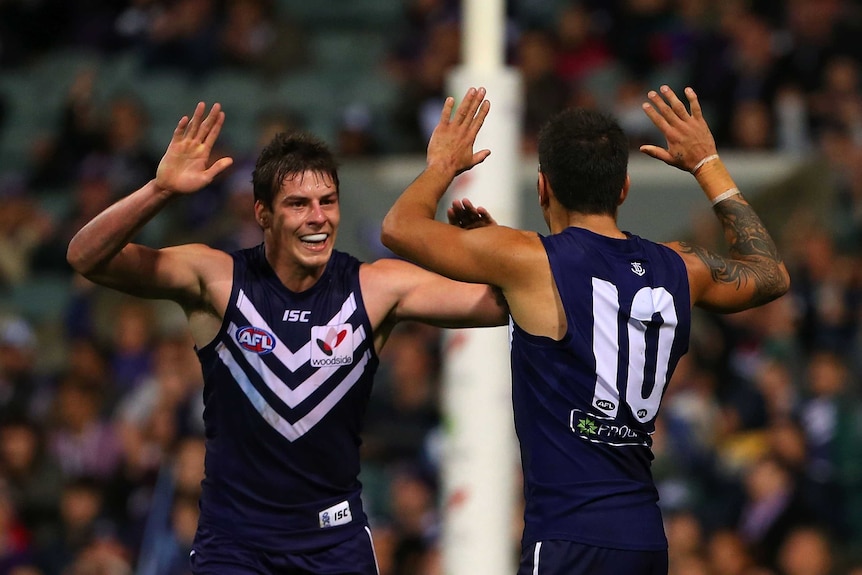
(296, 315)
(255, 340)
(338, 514)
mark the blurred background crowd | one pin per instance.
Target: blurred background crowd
(759, 443)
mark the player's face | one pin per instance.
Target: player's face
(305, 217)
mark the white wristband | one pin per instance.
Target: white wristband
(700, 164)
(724, 195)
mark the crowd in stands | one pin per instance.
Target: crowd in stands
(759, 443)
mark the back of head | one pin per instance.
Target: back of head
(584, 156)
(290, 154)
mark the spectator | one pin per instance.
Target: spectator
(772, 509)
(80, 439)
(33, 478)
(728, 554)
(82, 523)
(828, 416)
(254, 37)
(545, 92)
(58, 158)
(182, 36)
(16, 547)
(581, 50)
(18, 356)
(806, 551)
(24, 225)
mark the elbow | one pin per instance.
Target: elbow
(784, 280)
(76, 257)
(390, 234)
(777, 286)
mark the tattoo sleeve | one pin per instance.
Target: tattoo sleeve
(753, 255)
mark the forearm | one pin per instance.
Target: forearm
(417, 203)
(104, 236)
(747, 238)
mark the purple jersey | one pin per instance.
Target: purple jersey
(287, 381)
(585, 406)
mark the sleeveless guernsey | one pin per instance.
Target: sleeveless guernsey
(286, 384)
(585, 406)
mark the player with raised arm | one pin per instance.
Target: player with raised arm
(600, 316)
(288, 335)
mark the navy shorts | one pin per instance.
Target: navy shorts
(570, 558)
(218, 554)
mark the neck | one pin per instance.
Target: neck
(604, 225)
(295, 276)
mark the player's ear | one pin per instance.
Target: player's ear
(624, 193)
(262, 214)
(544, 189)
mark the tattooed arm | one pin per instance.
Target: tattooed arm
(754, 274)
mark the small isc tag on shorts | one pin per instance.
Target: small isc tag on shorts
(338, 514)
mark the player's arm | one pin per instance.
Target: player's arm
(410, 292)
(476, 252)
(102, 250)
(396, 290)
(754, 272)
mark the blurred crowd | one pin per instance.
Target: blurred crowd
(759, 443)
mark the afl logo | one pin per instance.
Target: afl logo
(605, 404)
(255, 340)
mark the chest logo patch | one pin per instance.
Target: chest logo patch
(255, 339)
(332, 345)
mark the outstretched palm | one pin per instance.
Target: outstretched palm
(185, 167)
(451, 143)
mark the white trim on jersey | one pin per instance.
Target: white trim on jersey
(291, 360)
(373, 552)
(536, 557)
(291, 397)
(291, 431)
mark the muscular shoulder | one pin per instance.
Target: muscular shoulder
(212, 270)
(695, 258)
(209, 262)
(387, 277)
(382, 284)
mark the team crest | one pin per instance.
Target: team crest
(332, 345)
(638, 268)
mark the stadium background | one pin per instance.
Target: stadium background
(757, 456)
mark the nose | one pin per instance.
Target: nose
(316, 214)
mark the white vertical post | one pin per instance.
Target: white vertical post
(480, 464)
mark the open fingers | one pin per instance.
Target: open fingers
(676, 104)
(661, 106)
(196, 120)
(654, 115)
(694, 104)
(446, 113)
(213, 124)
(181, 127)
(479, 116)
(471, 104)
(466, 107)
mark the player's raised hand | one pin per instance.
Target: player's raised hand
(186, 166)
(451, 145)
(465, 215)
(689, 139)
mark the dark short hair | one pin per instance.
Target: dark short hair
(290, 154)
(584, 155)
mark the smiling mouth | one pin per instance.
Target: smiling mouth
(314, 238)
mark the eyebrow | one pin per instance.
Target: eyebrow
(295, 196)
